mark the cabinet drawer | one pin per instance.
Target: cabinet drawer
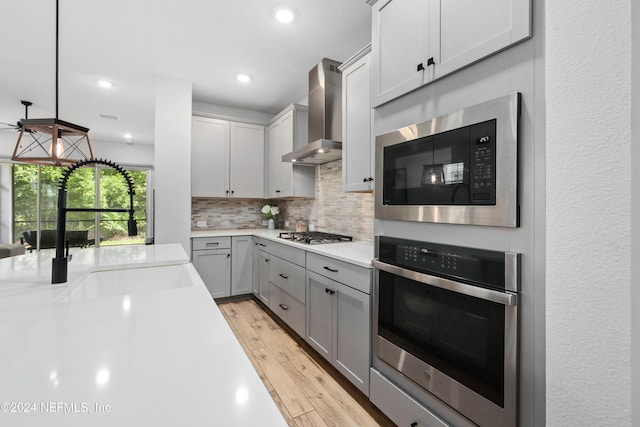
(351, 275)
(201, 243)
(288, 277)
(288, 309)
(263, 244)
(399, 406)
(289, 253)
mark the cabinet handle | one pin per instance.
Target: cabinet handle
(283, 276)
(232, 192)
(226, 192)
(414, 424)
(420, 67)
(430, 61)
(284, 306)
(266, 260)
(261, 244)
(329, 291)
(277, 191)
(370, 178)
(364, 179)
(330, 269)
(212, 244)
(228, 255)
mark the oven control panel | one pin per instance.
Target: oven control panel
(456, 262)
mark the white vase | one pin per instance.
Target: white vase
(272, 224)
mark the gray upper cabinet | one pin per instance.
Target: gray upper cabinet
(227, 158)
(287, 131)
(417, 41)
(357, 123)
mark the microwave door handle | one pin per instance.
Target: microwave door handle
(503, 298)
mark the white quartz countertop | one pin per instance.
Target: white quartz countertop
(134, 338)
(355, 253)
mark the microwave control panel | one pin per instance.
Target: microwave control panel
(482, 145)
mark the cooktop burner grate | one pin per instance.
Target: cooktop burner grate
(314, 237)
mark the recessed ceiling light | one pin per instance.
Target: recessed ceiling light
(243, 78)
(284, 15)
(105, 83)
(128, 136)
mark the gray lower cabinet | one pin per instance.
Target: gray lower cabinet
(225, 264)
(241, 265)
(263, 277)
(338, 327)
(255, 286)
(214, 267)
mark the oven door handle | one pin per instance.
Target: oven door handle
(504, 298)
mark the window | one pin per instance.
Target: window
(35, 198)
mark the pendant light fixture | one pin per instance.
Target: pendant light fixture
(52, 141)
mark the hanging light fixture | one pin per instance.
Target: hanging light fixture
(52, 141)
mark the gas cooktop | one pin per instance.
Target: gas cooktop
(314, 237)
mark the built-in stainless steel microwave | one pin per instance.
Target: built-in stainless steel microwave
(460, 168)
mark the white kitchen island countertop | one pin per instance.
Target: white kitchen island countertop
(133, 338)
(356, 253)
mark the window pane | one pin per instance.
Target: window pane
(114, 195)
(49, 178)
(25, 188)
(81, 193)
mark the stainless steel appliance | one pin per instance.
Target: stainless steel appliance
(459, 168)
(314, 237)
(447, 318)
(325, 117)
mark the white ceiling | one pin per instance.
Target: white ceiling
(131, 43)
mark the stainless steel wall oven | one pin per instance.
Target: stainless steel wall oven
(446, 317)
(458, 168)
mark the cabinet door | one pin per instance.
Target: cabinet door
(246, 161)
(288, 132)
(256, 266)
(275, 159)
(263, 292)
(357, 144)
(214, 269)
(352, 335)
(469, 30)
(401, 31)
(241, 265)
(320, 314)
(209, 157)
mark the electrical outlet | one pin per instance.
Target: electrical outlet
(312, 227)
(265, 222)
(202, 224)
(286, 224)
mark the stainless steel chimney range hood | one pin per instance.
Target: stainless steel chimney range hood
(325, 117)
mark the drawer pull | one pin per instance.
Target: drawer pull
(262, 244)
(414, 424)
(283, 276)
(284, 306)
(330, 269)
(329, 291)
(212, 243)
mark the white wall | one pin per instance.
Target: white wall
(172, 175)
(231, 113)
(635, 214)
(124, 154)
(588, 261)
(6, 208)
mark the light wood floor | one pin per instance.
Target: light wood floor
(308, 391)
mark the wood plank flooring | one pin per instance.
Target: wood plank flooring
(306, 388)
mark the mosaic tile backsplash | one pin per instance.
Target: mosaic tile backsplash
(332, 210)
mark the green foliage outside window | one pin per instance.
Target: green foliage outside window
(81, 193)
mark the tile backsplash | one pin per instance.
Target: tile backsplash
(332, 210)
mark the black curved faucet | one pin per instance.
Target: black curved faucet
(59, 269)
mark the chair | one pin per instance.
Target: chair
(76, 239)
